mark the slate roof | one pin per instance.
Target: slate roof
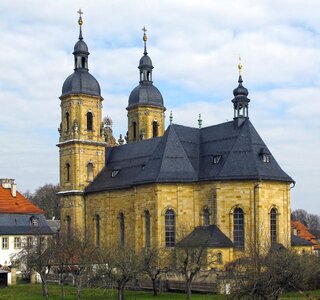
(185, 154)
(297, 241)
(20, 224)
(208, 236)
(18, 204)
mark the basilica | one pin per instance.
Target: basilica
(166, 185)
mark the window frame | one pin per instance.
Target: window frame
(170, 228)
(17, 242)
(238, 228)
(273, 225)
(5, 243)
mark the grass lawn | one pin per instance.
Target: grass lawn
(33, 292)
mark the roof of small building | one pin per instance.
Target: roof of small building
(206, 236)
(21, 224)
(18, 205)
(297, 241)
(303, 231)
(186, 154)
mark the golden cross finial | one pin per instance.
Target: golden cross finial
(80, 22)
(144, 34)
(240, 66)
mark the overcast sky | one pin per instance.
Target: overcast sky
(194, 46)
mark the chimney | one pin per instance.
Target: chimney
(14, 190)
(6, 183)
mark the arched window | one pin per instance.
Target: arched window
(170, 230)
(67, 121)
(68, 225)
(90, 171)
(155, 128)
(89, 120)
(121, 220)
(238, 228)
(97, 224)
(219, 258)
(147, 220)
(206, 217)
(273, 225)
(134, 130)
(67, 172)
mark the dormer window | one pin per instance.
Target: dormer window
(265, 158)
(115, 172)
(216, 159)
(34, 222)
(265, 155)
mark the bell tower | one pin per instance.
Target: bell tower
(145, 108)
(240, 100)
(81, 143)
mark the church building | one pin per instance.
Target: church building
(219, 182)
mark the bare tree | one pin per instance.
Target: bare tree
(39, 258)
(155, 263)
(82, 262)
(64, 260)
(46, 198)
(278, 270)
(120, 265)
(310, 220)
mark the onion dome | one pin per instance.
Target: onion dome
(145, 93)
(81, 81)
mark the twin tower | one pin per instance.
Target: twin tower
(82, 142)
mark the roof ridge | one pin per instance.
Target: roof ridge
(231, 150)
(252, 150)
(185, 156)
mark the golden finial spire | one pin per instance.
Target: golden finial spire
(240, 66)
(145, 38)
(80, 22)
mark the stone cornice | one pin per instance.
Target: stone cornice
(86, 142)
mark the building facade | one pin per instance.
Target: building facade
(21, 222)
(166, 184)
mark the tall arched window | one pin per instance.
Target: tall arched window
(206, 217)
(238, 228)
(67, 121)
(121, 220)
(68, 225)
(134, 130)
(155, 128)
(147, 220)
(273, 225)
(89, 121)
(97, 224)
(170, 230)
(67, 172)
(90, 171)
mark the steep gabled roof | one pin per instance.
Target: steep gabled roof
(17, 205)
(185, 154)
(206, 236)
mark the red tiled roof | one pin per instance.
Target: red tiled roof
(16, 205)
(304, 233)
